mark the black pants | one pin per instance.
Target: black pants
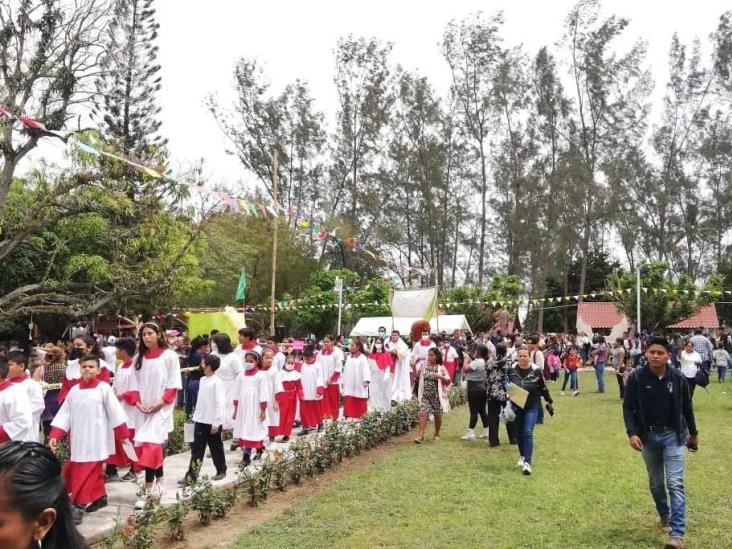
(494, 423)
(202, 437)
(152, 474)
(476, 403)
(692, 386)
(621, 384)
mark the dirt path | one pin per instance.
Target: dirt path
(224, 532)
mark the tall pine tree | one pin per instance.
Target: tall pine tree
(130, 81)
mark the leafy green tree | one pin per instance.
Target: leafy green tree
(667, 301)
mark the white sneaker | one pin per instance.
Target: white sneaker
(527, 468)
(520, 462)
(575, 393)
(485, 433)
(562, 393)
(157, 490)
(142, 502)
(470, 435)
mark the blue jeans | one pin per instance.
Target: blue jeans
(191, 396)
(665, 457)
(600, 374)
(525, 422)
(571, 376)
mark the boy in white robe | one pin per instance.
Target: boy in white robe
(93, 418)
(15, 410)
(251, 398)
(275, 386)
(18, 376)
(313, 388)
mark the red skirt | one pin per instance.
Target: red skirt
(355, 407)
(331, 402)
(287, 416)
(84, 481)
(311, 414)
(256, 444)
(149, 455)
(119, 458)
(450, 367)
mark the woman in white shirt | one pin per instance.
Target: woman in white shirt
(690, 361)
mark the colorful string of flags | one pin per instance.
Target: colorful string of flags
(295, 305)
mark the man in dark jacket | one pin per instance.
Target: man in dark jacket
(660, 421)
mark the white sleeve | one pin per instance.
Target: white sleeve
(20, 421)
(115, 412)
(264, 388)
(35, 393)
(320, 382)
(219, 402)
(171, 362)
(366, 369)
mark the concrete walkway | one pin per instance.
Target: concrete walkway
(123, 495)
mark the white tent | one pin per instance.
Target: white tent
(369, 326)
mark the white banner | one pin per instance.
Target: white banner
(414, 303)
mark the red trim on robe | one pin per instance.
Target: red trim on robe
(119, 458)
(319, 391)
(93, 384)
(326, 352)
(251, 372)
(251, 444)
(19, 379)
(66, 386)
(84, 481)
(311, 414)
(248, 346)
(383, 360)
(170, 395)
(126, 365)
(104, 375)
(355, 407)
(263, 405)
(335, 377)
(150, 455)
(154, 353)
(5, 384)
(121, 432)
(273, 430)
(57, 433)
(3, 435)
(131, 397)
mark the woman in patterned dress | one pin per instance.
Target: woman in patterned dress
(432, 375)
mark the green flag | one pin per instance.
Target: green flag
(241, 291)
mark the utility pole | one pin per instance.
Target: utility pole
(275, 184)
(638, 300)
(339, 288)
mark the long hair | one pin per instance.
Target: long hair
(31, 477)
(141, 345)
(223, 343)
(92, 343)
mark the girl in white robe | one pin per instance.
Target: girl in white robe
(83, 345)
(332, 366)
(92, 417)
(402, 385)
(356, 378)
(251, 399)
(157, 371)
(232, 364)
(128, 393)
(382, 368)
(275, 386)
(16, 420)
(313, 388)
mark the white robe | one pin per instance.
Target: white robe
(231, 366)
(278, 362)
(330, 364)
(73, 369)
(312, 378)
(419, 354)
(355, 372)
(402, 383)
(35, 396)
(242, 353)
(154, 377)
(250, 392)
(379, 388)
(125, 381)
(274, 387)
(89, 416)
(15, 412)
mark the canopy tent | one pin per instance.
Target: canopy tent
(228, 321)
(369, 326)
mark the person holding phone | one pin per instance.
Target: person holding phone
(659, 420)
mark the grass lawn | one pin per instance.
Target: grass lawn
(589, 488)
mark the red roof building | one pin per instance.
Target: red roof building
(600, 314)
(706, 317)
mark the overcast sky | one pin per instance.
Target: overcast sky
(200, 43)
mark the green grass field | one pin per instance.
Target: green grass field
(589, 488)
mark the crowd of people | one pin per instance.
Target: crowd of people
(113, 399)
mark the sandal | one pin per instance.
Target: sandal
(419, 440)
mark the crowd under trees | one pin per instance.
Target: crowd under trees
(541, 165)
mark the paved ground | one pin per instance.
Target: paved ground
(123, 495)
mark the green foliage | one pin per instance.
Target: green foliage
(460, 300)
(667, 300)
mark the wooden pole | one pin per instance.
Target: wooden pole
(275, 184)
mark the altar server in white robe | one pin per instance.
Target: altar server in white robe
(16, 420)
(158, 379)
(313, 389)
(274, 387)
(251, 398)
(331, 364)
(382, 367)
(356, 378)
(92, 417)
(232, 364)
(18, 376)
(402, 385)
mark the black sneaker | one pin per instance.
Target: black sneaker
(220, 476)
(96, 505)
(234, 446)
(77, 514)
(285, 439)
(246, 460)
(111, 477)
(271, 439)
(304, 432)
(258, 455)
(320, 427)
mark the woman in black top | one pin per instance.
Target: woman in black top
(529, 377)
(497, 397)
